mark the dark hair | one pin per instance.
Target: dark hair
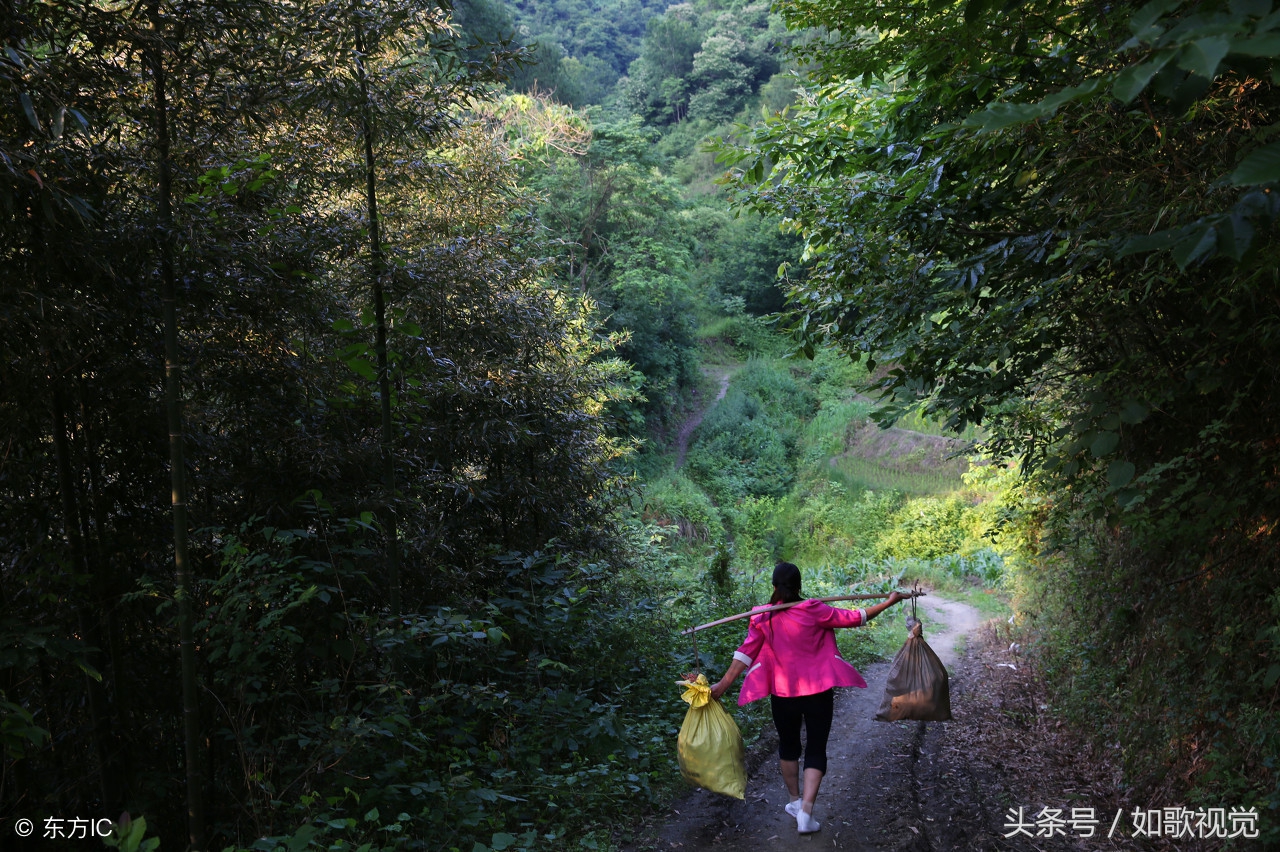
(786, 583)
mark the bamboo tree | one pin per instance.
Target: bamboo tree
(376, 270)
(177, 460)
(408, 86)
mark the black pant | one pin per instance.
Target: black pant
(816, 712)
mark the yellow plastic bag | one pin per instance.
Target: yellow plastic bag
(710, 746)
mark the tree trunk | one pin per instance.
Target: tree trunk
(377, 269)
(87, 613)
(177, 462)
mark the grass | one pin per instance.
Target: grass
(992, 602)
(857, 474)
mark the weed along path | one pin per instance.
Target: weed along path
(878, 793)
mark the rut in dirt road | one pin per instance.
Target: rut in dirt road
(870, 797)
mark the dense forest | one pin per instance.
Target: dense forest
(352, 354)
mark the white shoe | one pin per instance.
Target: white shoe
(806, 824)
(794, 807)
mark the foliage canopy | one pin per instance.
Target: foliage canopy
(1056, 220)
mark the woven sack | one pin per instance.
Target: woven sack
(709, 747)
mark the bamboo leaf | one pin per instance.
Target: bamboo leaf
(29, 108)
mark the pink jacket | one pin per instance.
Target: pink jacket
(792, 652)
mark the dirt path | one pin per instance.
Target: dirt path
(870, 797)
(687, 428)
(929, 786)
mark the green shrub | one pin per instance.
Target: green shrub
(830, 430)
(745, 334)
(925, 528)
(512, 721)
(830, 524)
(1168, 660)
(675, 501)
(746, 445)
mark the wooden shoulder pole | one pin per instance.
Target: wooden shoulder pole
(777, 607)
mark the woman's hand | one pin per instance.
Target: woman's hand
(735, 668)
(894, 597)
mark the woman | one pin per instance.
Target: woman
(791, 656)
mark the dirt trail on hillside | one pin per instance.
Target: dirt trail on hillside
(688, 427)
(889, 786)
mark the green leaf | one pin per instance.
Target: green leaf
(1120, 473)
(371, 815)
(1071, 93)
(29, 108)
(974, 10)
(1133, 412)
(1152, 242)
(502, 840)
(1150, 13)
(1250, 8)
(1104, 444)
(1127, 497)
(1261, 166)
(362, 368)
(1235, 235)
(1268, 45)
(1000, 114)
(1273, 674)
(1130, 82)
(1203, 56)
(1198, 242)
